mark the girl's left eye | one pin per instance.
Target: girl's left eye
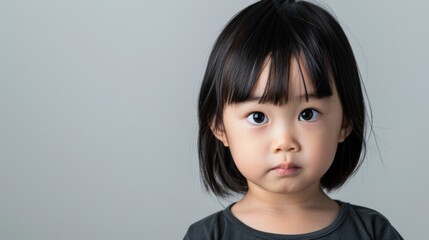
(257, 118)
(309, 115)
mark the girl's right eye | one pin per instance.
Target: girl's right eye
(257, 118)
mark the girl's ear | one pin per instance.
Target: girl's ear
(346, 129)
(220, 134)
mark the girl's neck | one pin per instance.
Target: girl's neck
(296, 213)
(313, 197)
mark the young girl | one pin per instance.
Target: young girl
(281, 116)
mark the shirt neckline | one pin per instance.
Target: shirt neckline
(344, 207)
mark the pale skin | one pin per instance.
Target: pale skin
(283, 151)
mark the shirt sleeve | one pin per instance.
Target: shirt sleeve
(388, 232)
(187, 237)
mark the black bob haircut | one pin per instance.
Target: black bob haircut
(281, 31)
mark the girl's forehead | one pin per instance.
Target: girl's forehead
(299, 82)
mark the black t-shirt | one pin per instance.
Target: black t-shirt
(353, 222)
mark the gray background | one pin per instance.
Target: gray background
(98, 114)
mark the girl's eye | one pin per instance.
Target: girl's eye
(257, 118)
(309, 115)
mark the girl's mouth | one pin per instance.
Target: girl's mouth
(286, 170)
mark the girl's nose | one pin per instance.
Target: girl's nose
(285, 141)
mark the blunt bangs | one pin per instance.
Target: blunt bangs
(278, 31)
(276, 34)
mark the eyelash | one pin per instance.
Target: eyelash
(313, 115)
(251, 118)
(313, 112)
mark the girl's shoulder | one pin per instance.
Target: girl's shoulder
(353, 222)
(364, 220)
(209, 227)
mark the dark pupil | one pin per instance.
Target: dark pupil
(307, 114)
(258, 117)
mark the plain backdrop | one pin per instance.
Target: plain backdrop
(98, 114)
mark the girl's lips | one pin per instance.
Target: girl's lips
(286, 169)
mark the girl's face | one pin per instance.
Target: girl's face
(284, 148)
